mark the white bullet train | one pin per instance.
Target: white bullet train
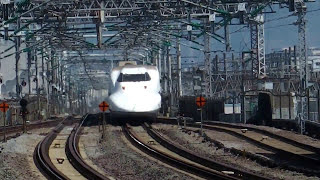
(135, 91)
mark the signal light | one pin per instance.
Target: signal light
(23, 83)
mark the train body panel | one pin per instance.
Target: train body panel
(135, 90)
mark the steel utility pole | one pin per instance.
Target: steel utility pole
(243, 95)
(207, 62)
(53, 81)
(70, 95)
(159, 62)
(303, 59)
(48, 87)
(17, 46)
(58, 92)
(165, 71)
(62, 88)
(4, 127)
(37, 82)
(99, 25)
(258, 47)
(29, 68)
(171, 96)
(178, 49)
(43, 70)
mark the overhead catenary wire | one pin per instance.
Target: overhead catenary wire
(275, 19)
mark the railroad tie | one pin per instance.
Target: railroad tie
(244, 130)
(264, 138)
(151, 142)
(228, 172)
(57, 145)
(60, 160)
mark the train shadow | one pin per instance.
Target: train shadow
(136, 121)
(97, 119)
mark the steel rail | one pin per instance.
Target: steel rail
(218, 166)
(171, 160)
(309, 162)
(44, 164)
(19, 128)
(41, 155)
(268, 133)
(75, 158)
(265, 132)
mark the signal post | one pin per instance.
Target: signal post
(4, 107)
(201, 101)
(24, 112)
(103, 106)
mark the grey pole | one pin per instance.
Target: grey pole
(17, 46)
(170, 85)
(159, 62)
(37, 83)
(103, 124)
(178, 48)
(48, 90)
(29, 68)
(201, 121)
(165, 69)
(42, 68)
(4, 127)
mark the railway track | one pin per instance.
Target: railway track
(240, 127)
(74, 156)
(186, 161)
(57, 155)
(307, 160)
(273, 142)
(199, 159)
(174, 156)
(19, 128)
(269, 134)
(41, 155)
(288, 153)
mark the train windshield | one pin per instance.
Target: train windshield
(133, 77)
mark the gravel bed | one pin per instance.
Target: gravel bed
(230, 141)
(194, 142)
(120, 161)
(16, 157)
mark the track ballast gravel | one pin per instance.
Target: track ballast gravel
(121, 161)
(16, 157)
(194, 142)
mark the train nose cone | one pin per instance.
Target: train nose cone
(134, 102)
